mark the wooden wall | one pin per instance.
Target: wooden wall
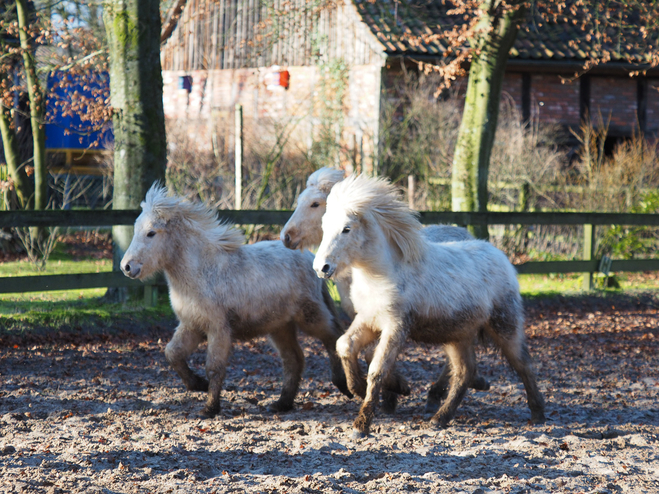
(232, 34)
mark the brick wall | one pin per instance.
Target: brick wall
(555, 100)
(614, 100)
(652, 116)
(511, 91)
(208, 108)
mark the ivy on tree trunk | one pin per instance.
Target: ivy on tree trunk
(37, 108)
(495, 36)
(133, 30)
(22, 184)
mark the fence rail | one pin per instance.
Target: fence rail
(98, 218)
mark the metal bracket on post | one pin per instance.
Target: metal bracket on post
(588, 253)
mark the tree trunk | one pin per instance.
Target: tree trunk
(495, 36)
(133, 29)
(37, 108)
(22, 183)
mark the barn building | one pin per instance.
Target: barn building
(217, 53)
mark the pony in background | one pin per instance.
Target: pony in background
(222, 290)
(405, 287)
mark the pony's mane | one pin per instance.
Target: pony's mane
(324, 179)
(362, 195)
(160, 203)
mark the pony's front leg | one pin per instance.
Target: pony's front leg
(185, 341)
(391, 343)
(217, 358)
(285, 341)
(348, 347)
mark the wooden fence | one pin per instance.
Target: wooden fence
(588, 264)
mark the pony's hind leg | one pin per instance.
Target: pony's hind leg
(507, 330)
(517, 354)
(438, 391)
(285, 341)
(462, 368)
(217, 358)
(321, 321)
(183, 343)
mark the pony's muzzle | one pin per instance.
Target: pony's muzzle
(288, 240)
(326, 271)
(131, 269)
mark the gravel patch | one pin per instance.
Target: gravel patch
(108, 415)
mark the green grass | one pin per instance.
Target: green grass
(69, 308)
(545, 285)
(57, 310)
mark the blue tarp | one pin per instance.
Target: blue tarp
(68, 131)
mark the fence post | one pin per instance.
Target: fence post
(410, 191)
(588, 253)
(239, 156)
(150, 295)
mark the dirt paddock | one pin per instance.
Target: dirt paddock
(87, 413)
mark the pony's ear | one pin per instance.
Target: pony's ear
(325, 187)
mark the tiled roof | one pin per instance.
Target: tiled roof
(414, 27)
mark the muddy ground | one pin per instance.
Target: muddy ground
(103, 413)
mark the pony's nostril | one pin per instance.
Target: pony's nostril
(326, 268)
(287, 239)
(127, 268)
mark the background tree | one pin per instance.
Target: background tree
(133, 33)
(479, 34)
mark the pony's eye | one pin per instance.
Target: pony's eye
(346, 229)
(151, 234)
(315, 205)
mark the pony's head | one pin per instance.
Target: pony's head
(303, 229)
(365, 215)
(167, 224)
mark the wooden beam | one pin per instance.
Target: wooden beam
(642, 103)
(526, 97)
(584, 97)
(10, 219)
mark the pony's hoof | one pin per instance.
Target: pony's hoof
(199, 384)
(342, 385)
(480, 384)
(438, 424)
(538, 418)
(279, 407)
(389, 402)
(357, 434)
(209, 413)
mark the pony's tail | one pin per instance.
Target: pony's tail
(331, 306)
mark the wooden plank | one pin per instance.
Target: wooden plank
(127, 217)
(592, 266)
(512, 218)
(635, 265)
(546, 267)
(108, 217)
(23, 284)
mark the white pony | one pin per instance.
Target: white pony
(303, 230)
(222, 290)
(404, 286)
